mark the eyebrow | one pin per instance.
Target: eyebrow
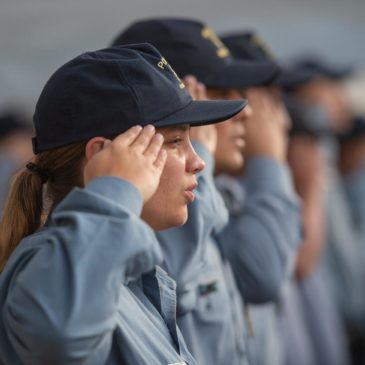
(180, 128)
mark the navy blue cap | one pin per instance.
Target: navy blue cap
(307, 118)
(249, 46)
(12, 123)
(105, 92)
(193, 48)
(320, 67)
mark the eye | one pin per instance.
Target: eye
(176, 141)
(177, 137)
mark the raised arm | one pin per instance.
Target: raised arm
(61, 287)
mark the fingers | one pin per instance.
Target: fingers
(129, 136)
(201, 92)
(154, 147)
(190, 80)
(190, 83)
(196, 89)
(106, 143)
(161, 159)
(143, 140)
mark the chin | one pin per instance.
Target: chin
(235, 167)
(180, 220)
(175, 221)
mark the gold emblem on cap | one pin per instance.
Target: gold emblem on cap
(163, 63)
(259, 43)
(222, 50)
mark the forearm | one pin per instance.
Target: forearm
(262, 237)
(63, 301)
(314, 241)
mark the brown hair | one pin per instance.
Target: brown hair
(28, 204)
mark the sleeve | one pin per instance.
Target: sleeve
(261, 238)
(354, 185)
(183, 247)
(345, 252)
(62, 302)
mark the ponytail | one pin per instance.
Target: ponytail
(28, 204)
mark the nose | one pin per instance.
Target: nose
(194, 163)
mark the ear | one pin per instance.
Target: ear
(94, 146)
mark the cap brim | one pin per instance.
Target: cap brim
(291, 78)
(319, 67)
(242, 74)
(338, 73)
(201, 112)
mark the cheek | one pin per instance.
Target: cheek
(169, 201)
(226, 148)
(172, 179)
(223, 135)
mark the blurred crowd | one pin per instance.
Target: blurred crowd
(290, 244)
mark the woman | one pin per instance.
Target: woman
(80, 280)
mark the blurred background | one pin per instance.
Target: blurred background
(326, 151)
(37, 36)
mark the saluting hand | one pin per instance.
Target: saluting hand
(267, 128)
(135, 155)
(207, 134)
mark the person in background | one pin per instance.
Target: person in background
(80, 277)
(265, 341)
(213, 281)
(315, 321)
(351, 279)
(15, 149)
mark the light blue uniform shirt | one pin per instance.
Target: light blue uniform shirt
(210, 310)
(354, 186)
(85, 289)
(264, 229)
(260, 241)
(345, 252)
(310, 323)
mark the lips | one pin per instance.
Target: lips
(192, 187)
(189, 195)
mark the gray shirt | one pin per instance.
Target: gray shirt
(345, 252)
(260, 241)
(85, 289)
(210, 310)
(264, 229)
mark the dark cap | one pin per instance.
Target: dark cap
(318, 66)
(12, 123)
(104, 93)
(308, 119)
(249, 46)
(193, 48)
